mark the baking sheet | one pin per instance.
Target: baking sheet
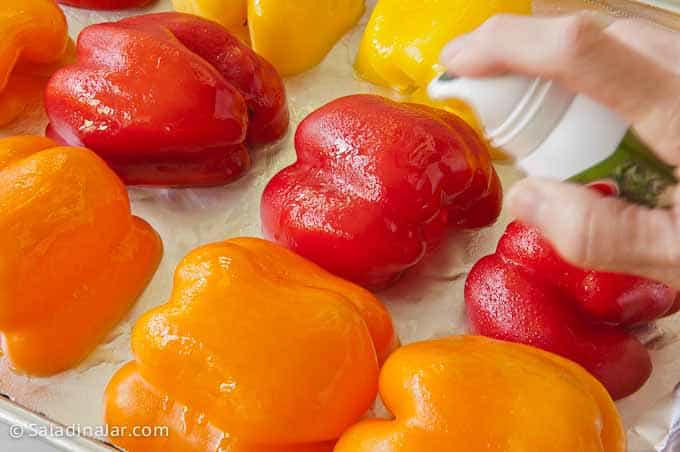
(426, 303)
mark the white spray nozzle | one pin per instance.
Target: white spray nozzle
(517, 113)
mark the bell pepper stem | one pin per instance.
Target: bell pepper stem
(641, 177)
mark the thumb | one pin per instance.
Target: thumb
(601, 233)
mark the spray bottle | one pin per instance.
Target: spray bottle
(552, 132)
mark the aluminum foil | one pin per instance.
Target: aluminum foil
(426, 303)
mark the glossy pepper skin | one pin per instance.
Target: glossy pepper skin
(106, 4)
(475, 394)
(259, 347)
(152, 407)
(294, 35)
(180, 118)
(376, 185)
(72, 257)
(404, 54)
(527, 293)
(33, 36)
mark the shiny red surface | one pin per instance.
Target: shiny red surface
(527, 293)
(376, 185)
(167, 99)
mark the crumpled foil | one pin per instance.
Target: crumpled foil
(426, 303)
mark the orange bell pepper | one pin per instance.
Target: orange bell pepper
(257, 347)
(33, 37)
(475, 394)
(72, 257)
(132, 401)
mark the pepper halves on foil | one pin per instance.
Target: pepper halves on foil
(377, 184)
(474, 394)
(527, 293)
(167, 99)
(258, 350)
(73, 259)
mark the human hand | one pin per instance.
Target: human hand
(633, 67)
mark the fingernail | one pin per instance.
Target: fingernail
(452, 49)
(524, 202)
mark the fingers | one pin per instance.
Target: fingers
(626, 66)
(578, 52)
(660, 44)
(603, 233)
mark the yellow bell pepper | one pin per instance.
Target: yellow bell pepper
(294, 35)
(400, 48)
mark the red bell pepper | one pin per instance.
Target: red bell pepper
(527, 293)
(377, 184)
(167, 99)
(105, 4)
